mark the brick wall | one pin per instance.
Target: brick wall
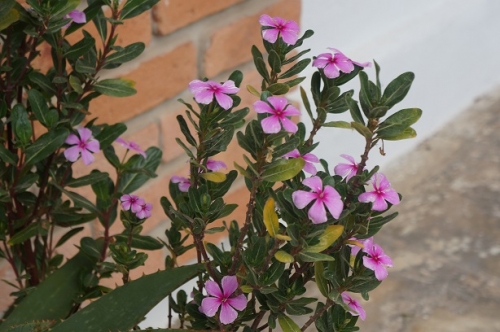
(186, 40)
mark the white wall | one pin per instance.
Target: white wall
(452, 46)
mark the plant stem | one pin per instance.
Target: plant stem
(314, 317)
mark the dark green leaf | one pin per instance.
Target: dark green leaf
(283, 169)
(68, 235)
(80, 48)
(21, 125)
(278, 88)
(141, 241)
(355, 111)
(88, 179)
(43, 82)
(296, 69)
(133, 8)
(7, 156)
(45, 145)
(27, 233)
(11, 17)
(109, 134)
(131, 182)
(63, 7)
(287, 324)
(79, 200)
(337, 124)
(274, 61)
(115, 311)
(362, 129)
(405, 134)
(126, 54)
(398, 122)
(314, 257)
(39, 107)
(397, 89)
(185, 130)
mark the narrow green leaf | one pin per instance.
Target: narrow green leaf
(38, 106)
(79, 200)
(283, 169)
(42, 81)
(63, 7)
(296, 68)
(80, 48)
(68, 235)
(405, 134)
(127, 54)
(6, 6)
(132, 181)
(7, 156)
(143, 242)
(185, 130)
(337, 124)
(278, 88)
(362, 129)
(115, 87)
(133, 8)
(11, 17)
(45, 145)
(27, 233)
(398, 122)
(354, 108)
(115, 311)
(54, 298)
(274, 61)
(306, 103)
(88, 179)
(320, 278)
(21, 125)
(287, 324)
(109, 134)
(315, 257)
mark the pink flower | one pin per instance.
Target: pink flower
(354, 248)
(332, 64)
(131, 146)
(382, 192)
(308, 157)
(204, 92)
(288, 30)
(144, 211)
(84, 145)
(215, 165)
(132, 203)
(356, 308)
(377, 261)
(280, 109)
(222, 298)
(346, 170)
(77, 16)
(184, 183)
(327, 196)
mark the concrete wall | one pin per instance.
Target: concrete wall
(451, 45)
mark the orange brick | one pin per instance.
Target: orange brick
(156, 80)
(230, 46)
(171, 15)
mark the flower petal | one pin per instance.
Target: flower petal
(391, 196)
(92, 145)
(290, 37)
(291, 111)
(278, 103)
(72, 153)
(314, 182)
(271, 35)
(262, 107)
(317, 212)
(292, 154)
(310, 168)
(84, 133)
(224, 100)
(87, 157)
(72, 139)
(311, 158)
(379, 204)
(229, 285)
(343, 170)
(367, 197)
(213, 289)
(227, 314)
(204, 96)
(289, 125)
(77, 16)
(302, 198)
(196, 86)
(266, 20)
(238, 302)
(229, 87)
(271, 125)
(331, 71)
(210, 305)
(333, 201)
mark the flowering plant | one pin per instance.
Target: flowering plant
(303, 225)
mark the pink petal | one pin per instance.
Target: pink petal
(362, 64)
(271, 35)
(379, 204)
(367, 197)
(215, 165)
(178, 179)
(311, 158)
(391, 196)
(197, 86)
(289, 36)
(361, 312)
(262, 107)
(85, 134)
(184, 187)
(291, 111)
(122, 142)
(224, 100)
(310, 168)
(349, 158)
(344, 65)
(72, 139)
(292, 154)
(87, 157)
(227, 314)
(331, 71)
(126, 205)
(229, 87)
(289, 125)
(238, 302)
(271, 125)
(229, 285)
(77, 16)
(278, 103)
(266, 20)
(383, 182)
(72, 153)
(93, 145)
(321, 62)
(292, 26)
(210, 305)
(333, 201)
(302, 198)
(204, 97)
(314, 182)
(317, 212)
(213, 289)
(343, 169)
(385, 260)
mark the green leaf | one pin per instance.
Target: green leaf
(63, 7)
(115, 87)
(7, 156)
(6, 6)
(39, 107)
(278, 88)
(320, 278)
(126, 54)
(54, 298)
(274, 61)
(101, 24)
(68, 235)
(27, 233)
(21, 125)
(80, 48)
(331, 234)
(79, 200)
(141, 241)
(185, 130)
(315, 257)
(337, 124)
(284, 257)
(362, 129)
(88, 179)
(132, 181)
(296, 68)
(398, 122)
(355, 111)
(283, 169)
(45, 145)
(397, 89)
(42, 81)
(270, 217)
(287, 324)
(11, 17)
(109, 134)
(117, 311)
(133, 8)
(405, 134)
